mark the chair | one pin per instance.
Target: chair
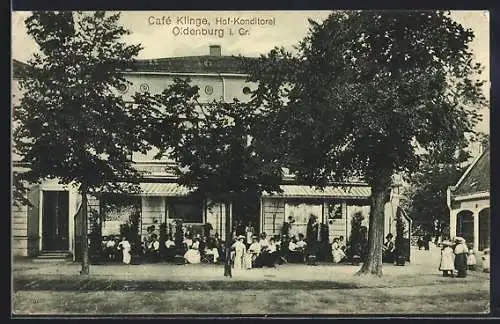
(207, 258)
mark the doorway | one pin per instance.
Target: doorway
(55, 221)
(484, 229)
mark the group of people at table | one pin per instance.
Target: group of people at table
(247, 251)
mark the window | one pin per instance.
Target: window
(189, 210)
(300, 212)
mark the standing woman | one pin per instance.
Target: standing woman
(461, 253)
(249, 231)
(239, 253)
(312, 237)
(125, 247)
(447, 259)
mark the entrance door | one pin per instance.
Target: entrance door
(55, 220)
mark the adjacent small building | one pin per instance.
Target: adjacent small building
(469, 203)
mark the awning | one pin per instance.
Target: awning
(346, 191)
(163, 189)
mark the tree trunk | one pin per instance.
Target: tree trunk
(373, 260)
(227, 263)
(85, 240)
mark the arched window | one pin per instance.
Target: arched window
(484, 229)
(465, 225)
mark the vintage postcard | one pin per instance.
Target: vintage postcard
(273, 163)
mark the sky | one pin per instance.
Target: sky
(159, 39)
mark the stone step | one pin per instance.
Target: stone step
(37, 260)
(54, 255)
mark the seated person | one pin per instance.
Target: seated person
(193, 254)
(294, 255)
(153, 248)
(342, 243)
(109, 248)
(212, 252)
(388, 249)
(264, 243)
(301, 244)
(188, 241)
(262, 259)
(169, 249)
(277, 242)
(253, 252)
(302, 247)
(337, 252)
(271, 254)
(169, 243)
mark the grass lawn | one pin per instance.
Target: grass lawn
(419, 289)
(458, 298)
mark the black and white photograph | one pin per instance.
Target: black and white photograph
(259, 163)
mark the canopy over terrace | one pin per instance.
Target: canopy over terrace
(332, 205)
(341, 191)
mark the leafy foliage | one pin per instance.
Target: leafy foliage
(218, 145)
(70, 123)
(427, 192)
(366, 88)
(366, 94)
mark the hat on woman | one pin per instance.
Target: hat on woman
(240, 237)
(447, 243)
(459, 239)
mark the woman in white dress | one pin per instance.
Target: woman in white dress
(447, 259)
(249, 230)
(337, 252)
(125, 247)
(252, 253)
(193, 253)
(486, 260)
(239, 252)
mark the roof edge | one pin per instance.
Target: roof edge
(469, 169)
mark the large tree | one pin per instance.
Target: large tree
(71, 124)
(220, 147)
(365, 93)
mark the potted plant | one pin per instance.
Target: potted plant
(179, 242)
(356, 254)
(354, 251)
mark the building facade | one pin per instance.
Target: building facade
(51, 222)
(469, 203)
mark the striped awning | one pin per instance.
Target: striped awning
(163, 189)
(345, 191)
